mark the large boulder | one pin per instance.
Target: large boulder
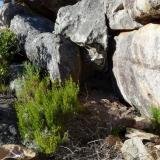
(136, 67)
(119, 17)
(56, 54)
(59, 56)
(26, 27)
(85, 24)
(143, 11)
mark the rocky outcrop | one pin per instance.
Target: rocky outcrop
(58, 55)
(85, 24)
(136, 67)
(87, 29)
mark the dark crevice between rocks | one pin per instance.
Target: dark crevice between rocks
(103, 80)
(111, 50)
(20, 57)
(45, 11)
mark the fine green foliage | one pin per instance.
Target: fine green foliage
(156, 118)
(8, 44)
(43, 107)
(8, 48)
(4, 88)
(3, 70)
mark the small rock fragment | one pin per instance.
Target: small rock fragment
(17, 152)
(134, 149)
(131, 132)
(142, 123)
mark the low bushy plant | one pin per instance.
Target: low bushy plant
(8, 44)
(8, 49)
(43, 107)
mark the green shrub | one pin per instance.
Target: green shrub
(156, 118)
(8, 48)
(8, 44)
(43, 107)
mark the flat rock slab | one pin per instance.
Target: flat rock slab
(131, 132)
(8, 122)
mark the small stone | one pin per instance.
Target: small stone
(18, 152)
(12, 130)
(134, 149)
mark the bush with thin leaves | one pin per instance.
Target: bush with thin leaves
(8, 49)
(43, 108)
(156, 118)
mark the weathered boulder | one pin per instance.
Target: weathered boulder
(85, 24)
(26, 27)
(143, 11)
(136, 67)
(59, 56)
(119, 18)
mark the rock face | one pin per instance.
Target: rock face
(85, 24)
(144, 11)
(119, 17)
(131, 14)
(60, 56)
(136, 67)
